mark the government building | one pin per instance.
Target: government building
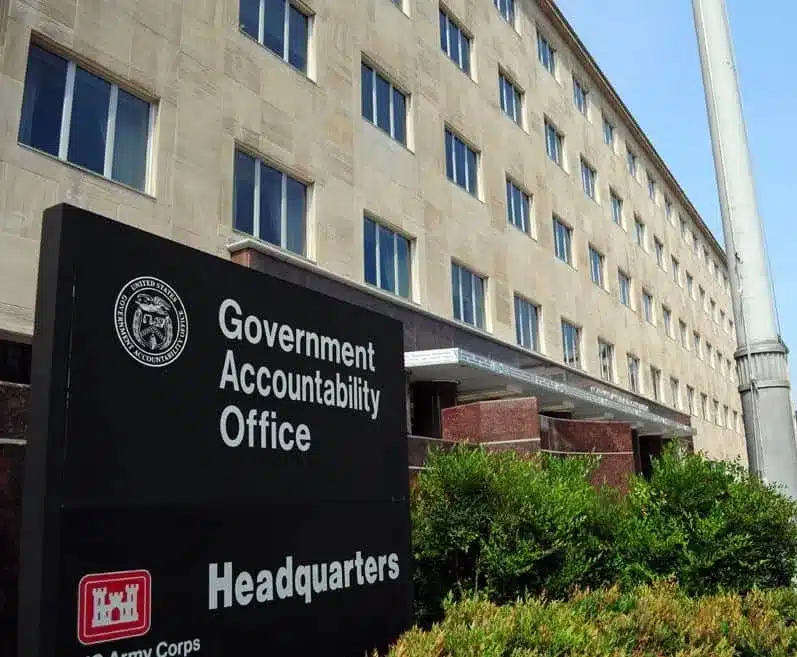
(463, 166)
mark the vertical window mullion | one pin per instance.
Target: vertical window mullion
(286, 31)
(261, 21)
(284, 211)
(110, 131)
(256, 215)
(66, 111)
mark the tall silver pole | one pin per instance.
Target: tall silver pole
(761, 355)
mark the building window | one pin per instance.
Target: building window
(383, 104)
(658, 247)
(651, 187)
(710, 267)
(696, 245)
(647, 306)
(571, 344)
(631, 158)
(720, 363)
(729, 368)
(722, 320)
(639, 232)
(683, 332)
(580, 96)
(633, 373)
(269, 204)
(725, 417)
(704, 405)
(467, 291)
(715, 412)
(546, 54)
(454, 42)
(588, 176)
(563, 241)
(713, 310)
(511, 99)
(730, 326)
(608, 133)
(666, 318)
(736, 421)
(518, 205)
(668, 208)
(684, 228)
(617, 208)
(462, 163)
(675, 392)
(709, 355)
(527, 324)
(676, 271)
(655, 383)
(690, 399)
(597, 264)
(279, 26)
(624, 285)
(702, 293)
(606, 360)
(553, 142)
(698, 344)
(507, 9)
(83, 119)
(387, 259)
(690, 285)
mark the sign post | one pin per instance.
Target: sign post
(217, 460)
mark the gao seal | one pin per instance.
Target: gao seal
(151, 321)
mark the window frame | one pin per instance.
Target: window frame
(601, 267)
(580, 97)
(624, 289)
(559, 142)
(457, 266)
(397, 235)
(546, 54)
(526, 203)
(286, 49)
(571, 360)
(506, 83)
(606, 360)
(533, 328)
(73, 64)
(393, 89)
(464, 35)
(451, 176)
(568, 231)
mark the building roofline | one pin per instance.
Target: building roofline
(566, 31)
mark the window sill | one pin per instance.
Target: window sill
(385, 133)
(303, 74)
(465, 191)
(88, 172)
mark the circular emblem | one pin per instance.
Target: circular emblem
(151, 322)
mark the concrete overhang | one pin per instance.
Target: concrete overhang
(477, 375)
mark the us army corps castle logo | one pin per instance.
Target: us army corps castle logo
(151, 321)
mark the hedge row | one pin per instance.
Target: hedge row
(509, 527)
(653, 621)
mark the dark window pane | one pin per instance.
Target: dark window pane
(478, 290)
(443, 31)
(471, 171)
(249, 17)
(399, 117)
(453, 42)
(43, 100)
(382, 103)
(297, 215)
(244, 193)
(270, 205)
(130, 141)
(89, 127)
(369, 247)
(459, 161)
(367, 91)
(456, 299)
(465, 53)
(403, 256)
(297, 33)
(449, 155)
(467, 297)
(274, 32)
(387, 259)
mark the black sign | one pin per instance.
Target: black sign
(217, 461)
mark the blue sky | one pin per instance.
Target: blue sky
(648, 50)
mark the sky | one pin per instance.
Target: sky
(648, 50)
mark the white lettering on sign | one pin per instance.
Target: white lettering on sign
(227, 588)
(261, 428)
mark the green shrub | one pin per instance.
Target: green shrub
(711, 525)
(508, 527)
(656, 621)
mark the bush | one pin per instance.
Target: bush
(652, 621)
(508, 527)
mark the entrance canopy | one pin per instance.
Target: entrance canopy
(477, 375)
